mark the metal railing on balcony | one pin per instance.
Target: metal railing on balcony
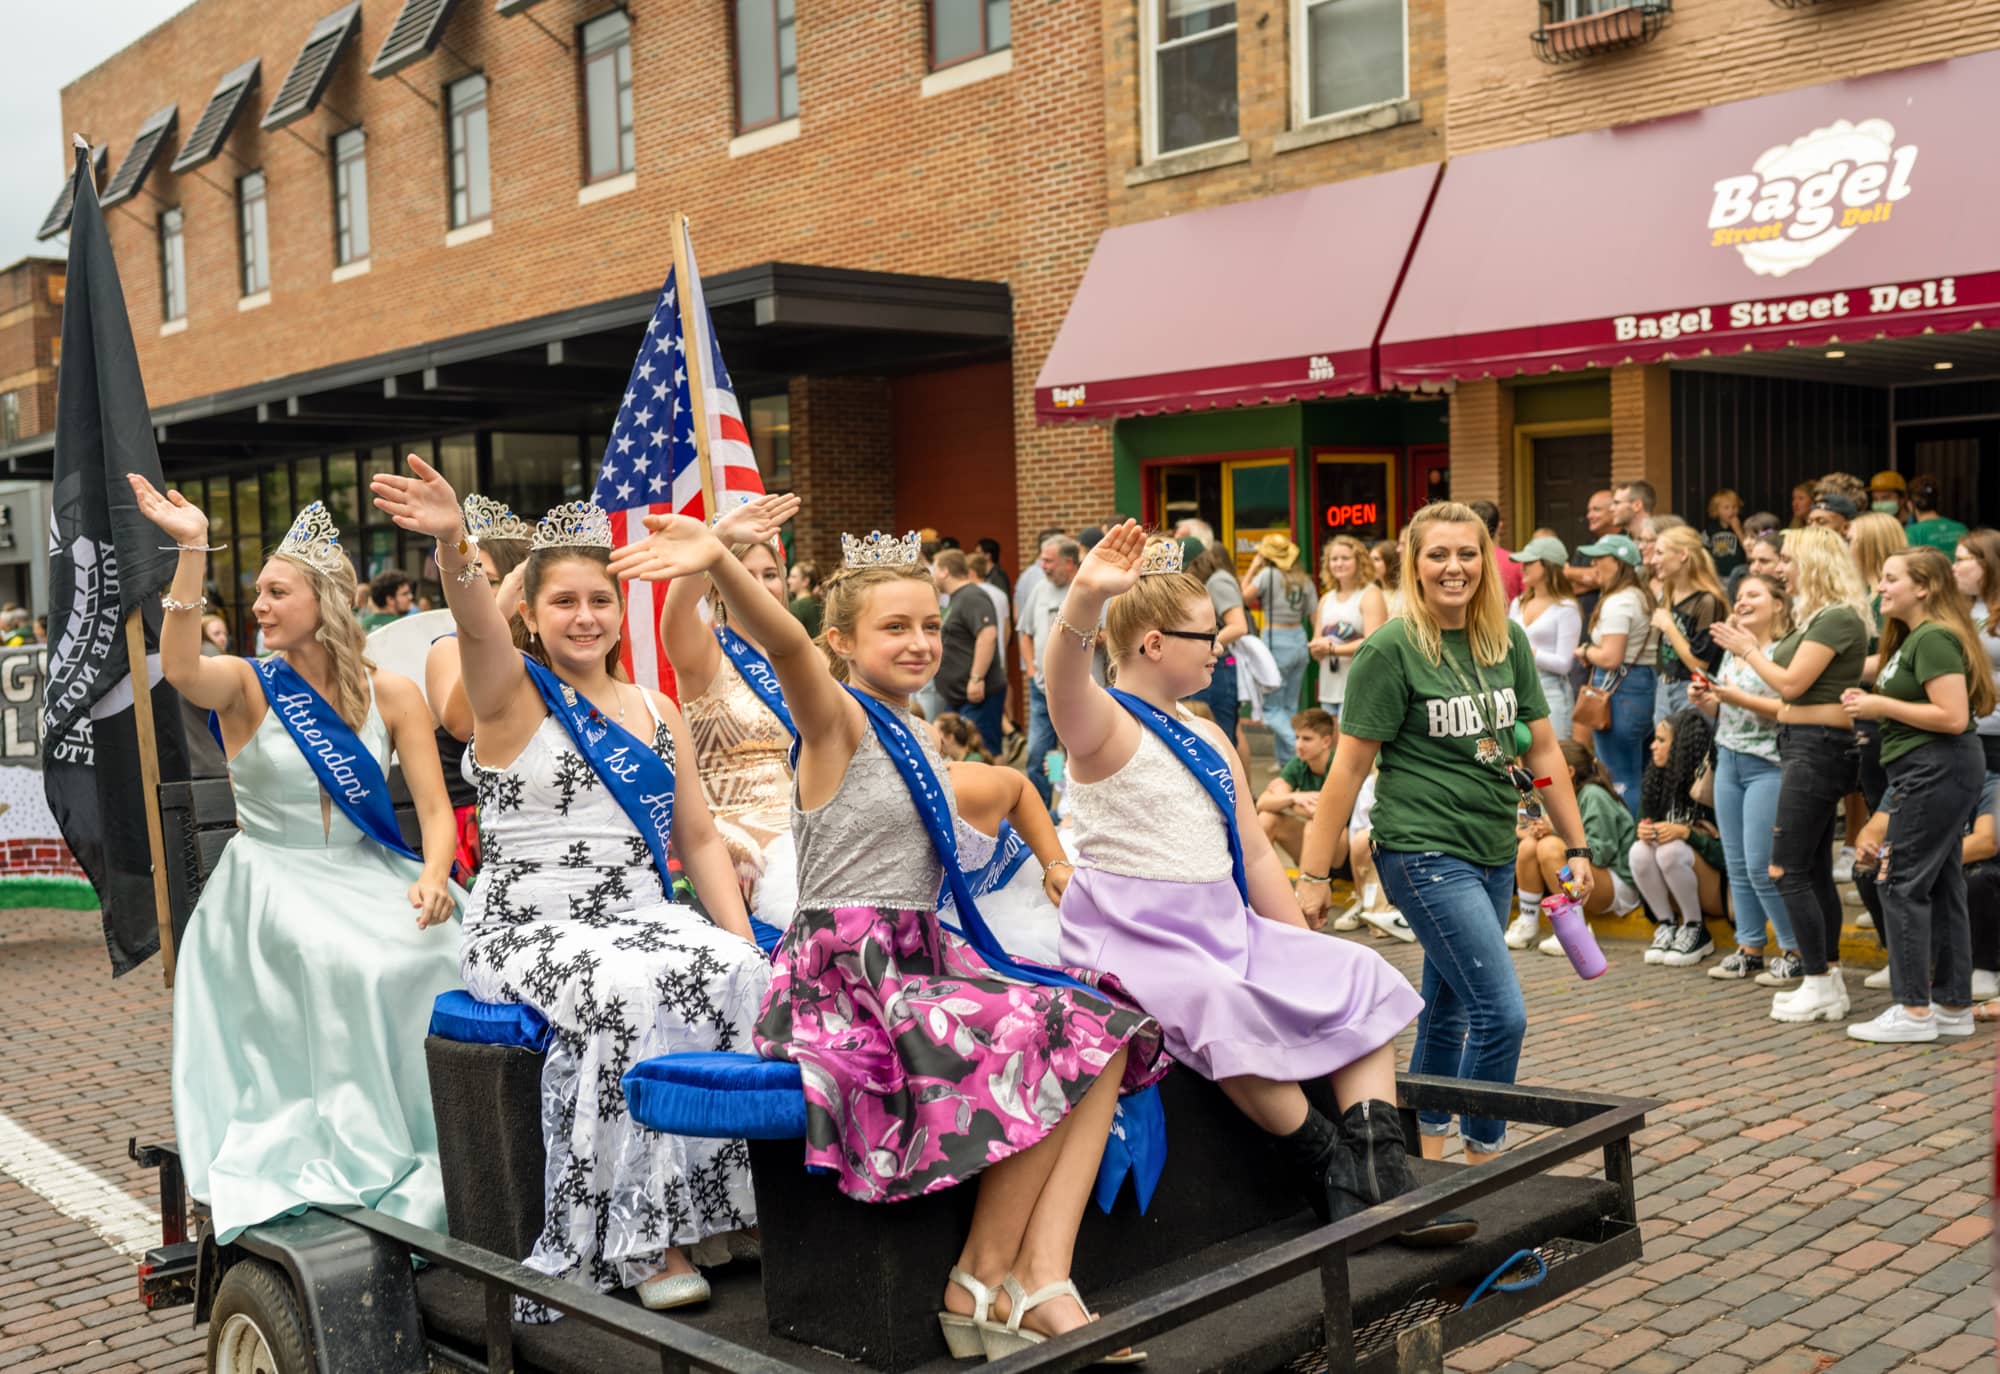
(1575, 29)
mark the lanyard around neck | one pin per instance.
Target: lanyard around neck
(1485, 700)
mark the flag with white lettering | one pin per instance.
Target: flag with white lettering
(105, 561)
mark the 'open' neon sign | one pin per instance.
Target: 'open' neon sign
(1356, 513)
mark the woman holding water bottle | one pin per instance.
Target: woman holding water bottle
(1448, 695)
(1352, 609)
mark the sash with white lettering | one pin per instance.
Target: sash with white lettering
(1203, 760)
(339, 759)
(1139, 1118)
(1008, 855)
(637, 778)
(756, 670)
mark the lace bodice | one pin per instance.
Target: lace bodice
(554, 844)
(742, 749)
(1150, 819)
(867, 845)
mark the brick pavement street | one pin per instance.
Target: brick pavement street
(1810, 1203)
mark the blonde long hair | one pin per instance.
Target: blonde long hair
(1364, 563)
(1873, 537)
(1931, 570)
(341, 635)
(1486, 616)
(1700, 569)
(1823, 575)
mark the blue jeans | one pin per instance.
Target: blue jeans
(1746, 807)
(1673, 696)
(1474, 1018)
(1220, 697)
(985, 717)
(1622, 748)
(1041, 739)
(1288, 645)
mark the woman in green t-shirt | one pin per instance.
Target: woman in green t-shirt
(1447, 695)
(1933, 684)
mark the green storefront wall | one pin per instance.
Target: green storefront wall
(1358, 422)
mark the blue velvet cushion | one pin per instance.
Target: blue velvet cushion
(722, 1096)
(766, 935)
(462, 1017)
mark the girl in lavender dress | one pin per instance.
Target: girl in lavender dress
(923, 1063)
(1219, 953)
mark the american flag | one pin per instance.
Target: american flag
(651, 465)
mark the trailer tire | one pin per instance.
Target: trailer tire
(255, 1326)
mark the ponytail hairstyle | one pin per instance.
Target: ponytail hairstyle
(341, 635)
(844, 597)
(1584, 767)
(539, 562)
(1485, 617)
(1665, 792)
(1931, 570)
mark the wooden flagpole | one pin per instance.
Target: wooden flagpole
(697, 399)
(149, 782)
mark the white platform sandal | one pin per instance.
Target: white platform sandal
(964, 1335)
(1003, 1339)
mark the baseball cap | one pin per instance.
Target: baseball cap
(1618, 546)
(1547, 549)
(1835, 502)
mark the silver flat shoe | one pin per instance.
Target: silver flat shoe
(667, 1291)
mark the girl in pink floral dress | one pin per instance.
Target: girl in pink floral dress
(922, 1065)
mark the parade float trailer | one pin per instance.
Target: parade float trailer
(1224, 1270)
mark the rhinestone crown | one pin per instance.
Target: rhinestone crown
(486, 519)
(881, 550)
(314, 541)
(1162, 556)
(574, 525)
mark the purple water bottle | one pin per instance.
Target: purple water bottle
(1573, 931)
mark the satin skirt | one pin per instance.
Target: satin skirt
(302, 996)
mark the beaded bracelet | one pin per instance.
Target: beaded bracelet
(1086, 640)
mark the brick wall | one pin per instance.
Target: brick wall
(1482, 444)
(843, 464)
(38, 859)
(1641, 428)
(1000, 180)
(1713, 51)
(30, 338)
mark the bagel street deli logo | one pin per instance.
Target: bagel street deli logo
(1805, 198)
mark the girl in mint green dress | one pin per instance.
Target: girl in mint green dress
(304, 981)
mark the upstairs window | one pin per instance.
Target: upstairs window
(254, 230)
(1354, 55)
(767, 64)
(607, 96)
(471, 198)
(1191, 64)
(350, 197)
(964, 29)
(173, 268)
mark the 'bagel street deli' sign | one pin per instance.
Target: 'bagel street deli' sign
(1850, 211)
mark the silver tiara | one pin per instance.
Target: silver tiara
(574, 525)
(314, 541)
(1162, 556)
(486, 519)
(881, 550)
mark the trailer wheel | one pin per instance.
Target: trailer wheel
(255, 1327)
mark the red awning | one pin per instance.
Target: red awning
(1853, 210)
(1278, 299)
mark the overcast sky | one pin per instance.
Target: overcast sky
(47, 47)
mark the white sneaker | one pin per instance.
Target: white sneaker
(1896, 1026)
(1551, 946)
(1985, 985)
(1390, 922)
(1879, 979)
(1522, 930)
(1350, 919)
(1843, 866)
(1817, 999)
(1663, 940)
(1864, 920)
(1957, 1023)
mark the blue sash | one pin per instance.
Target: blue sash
(1140, 1122)
(757, 671)
(338, 758)
(1210, 769)
(637, 778)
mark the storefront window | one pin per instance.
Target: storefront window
(278, 511)
(308, 483)
(458, 460)
(341, 492)
(1352, 495)
(532, 472)
(381, 552)
(771, 438)
(214, 499)
(248, 508)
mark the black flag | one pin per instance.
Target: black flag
(105, 560)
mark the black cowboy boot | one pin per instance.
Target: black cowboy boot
(1373, 1166)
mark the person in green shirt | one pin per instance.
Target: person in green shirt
(389, 598)
(1934, 682)
(1447, 697)
(1287, 802)
(1608, 830)
(1929, 528)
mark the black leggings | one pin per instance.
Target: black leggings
(1818, 766)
